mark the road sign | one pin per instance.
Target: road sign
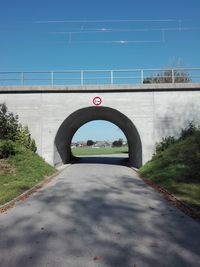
(97, 100)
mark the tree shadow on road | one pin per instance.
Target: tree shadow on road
(115, 223)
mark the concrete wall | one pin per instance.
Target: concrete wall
(154, 113)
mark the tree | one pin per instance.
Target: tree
(169, 76)
(24, 137)
(117, 143)
(7, 148)
(189, 130)
(165, 143)
(11, 129)
(8, 124)
(90, 142)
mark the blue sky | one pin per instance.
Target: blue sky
(27, 45)
(98, 130)
(34, 35)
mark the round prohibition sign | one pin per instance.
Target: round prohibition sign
(97, 100)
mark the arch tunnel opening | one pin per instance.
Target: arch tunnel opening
(80, 117)
(100, 141)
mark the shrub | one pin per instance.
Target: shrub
(117, 143)
(8, 124)
(189, 155)
(177, 159)
(188, 131)
(180, 76)
(165, 143)
(11, 129)
(24, 137)
(7, 148)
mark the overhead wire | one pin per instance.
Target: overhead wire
(97, 30)
(104, 30)
(116, 42)
(105, 20)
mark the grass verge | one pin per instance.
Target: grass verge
(84, 151)
(20, 172)
(170, 177)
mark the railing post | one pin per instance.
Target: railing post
(52, 79)
(22, 78)
(173, 78)
(81, 77)
(111, 76)
(142, 76)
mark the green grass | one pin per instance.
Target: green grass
(177, 169)
(20, 172)
(188, 192)
(84, 151)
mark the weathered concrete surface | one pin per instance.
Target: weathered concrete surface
(98, 215)
(155, 110)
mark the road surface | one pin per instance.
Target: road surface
(99, 215)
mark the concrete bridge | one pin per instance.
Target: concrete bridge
(144, 112)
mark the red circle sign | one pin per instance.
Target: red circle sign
(97, 100)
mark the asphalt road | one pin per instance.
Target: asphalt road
(98, 215)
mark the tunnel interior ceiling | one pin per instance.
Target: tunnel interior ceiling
(78, 118)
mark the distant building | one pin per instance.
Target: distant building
(102, 144)
(97, 144)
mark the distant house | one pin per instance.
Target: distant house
(78, 144)
(99, 144)
(124, 143)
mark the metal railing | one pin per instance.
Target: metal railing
(86, 77)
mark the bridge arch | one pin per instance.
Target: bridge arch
(78, 118)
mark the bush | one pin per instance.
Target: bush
(8, 124)
(24, 137)
(188, 131)
(165, 143)
(117, 143)
(180, 76)
(189, 155)
(7, 148)
(177, 159)
(11, 129)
